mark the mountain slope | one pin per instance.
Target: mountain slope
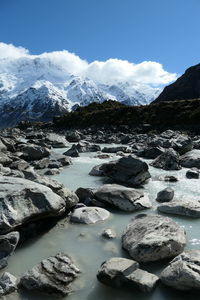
(40, 102)
(185, 87)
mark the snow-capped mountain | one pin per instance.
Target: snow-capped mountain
(36, 89)
(41, 102)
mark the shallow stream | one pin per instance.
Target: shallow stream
(88, 249)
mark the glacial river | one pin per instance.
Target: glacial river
(89, 249)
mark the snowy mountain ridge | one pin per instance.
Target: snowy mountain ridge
(37, 89)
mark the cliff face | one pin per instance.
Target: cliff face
(185, 87)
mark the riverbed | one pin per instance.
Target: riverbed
(89, 249)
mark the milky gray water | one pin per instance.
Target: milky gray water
(88, 249)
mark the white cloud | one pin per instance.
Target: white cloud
(109, 71)
(10, 51)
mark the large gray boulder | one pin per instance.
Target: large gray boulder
(169, 160)
(153, 237)
(182, 144)
(56, 140)
(191, 159)
(52, 276)
(70, 197)
(89, 215)
(127, 170)
(22, 201)
(188, 208)
(183, 272)
(34, 152)
(118, 272)
(8, 243)
(127, 199)
(8, 284)
(150, 152)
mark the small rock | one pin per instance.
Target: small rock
(52, 172)
(165, 195)
(192, 174)
(72, 152)
(170, 178)
(109, 234)
(89, 215)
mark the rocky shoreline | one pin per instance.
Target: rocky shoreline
(31, 201)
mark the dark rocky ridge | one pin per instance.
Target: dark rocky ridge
(185, 87)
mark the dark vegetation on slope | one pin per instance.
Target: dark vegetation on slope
(183, 114)
(185, 87)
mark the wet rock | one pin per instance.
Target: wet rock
(192, 174)
(73, 136)
(127, 170)
(72, 152)
(63, 159)
(169, 160)
(2, 146)
(53, 164)
(19, 165)
(189, 208)
(87, 147)
(113, 271)
(182, 144)
(191, 159)
(8, 243)
(52, 172)
(150, 152)
(102, 156)
(41, 164)
(85, 195)
(109, 234)
(97, 170)
(165, 195)
(10, 143)
(183, 272)
(115, 149)
(89, 215)
(153, 237)
(52, 276)
(143, 280)
(27, 201)
(8, 284)
(30, 174)
(34, 152)
(69, 197)
(170, 178)
(56, 140)
(119, 272)
(127, 199)
(5, 160)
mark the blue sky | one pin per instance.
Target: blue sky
(165, 31)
